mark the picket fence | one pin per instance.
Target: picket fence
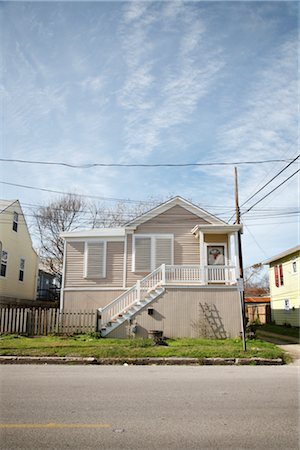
(44, 321)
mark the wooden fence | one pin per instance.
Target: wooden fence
(44, 321)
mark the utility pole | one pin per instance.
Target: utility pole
(241, 279)
(238, 221)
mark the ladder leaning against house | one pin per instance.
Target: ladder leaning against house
(149, 288)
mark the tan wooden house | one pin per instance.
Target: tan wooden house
(19, 261)
(173, 269)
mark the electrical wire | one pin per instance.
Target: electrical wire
(91, 165)
(269, 193)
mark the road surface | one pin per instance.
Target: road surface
(149, 407)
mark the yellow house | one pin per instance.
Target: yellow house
(284, 286)
(19, 261)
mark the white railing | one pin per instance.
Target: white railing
(219, 274)
(200, 274)
(165, 275)
(135, 294)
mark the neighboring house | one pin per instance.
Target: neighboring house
(284, 272)
(47, 288)
(258, 309)
(19, 261)
(173, 269)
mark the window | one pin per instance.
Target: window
(95, 259)
(4, 259)
(278, 272)
(15, 221)
(21, 270)
(216, 255)
(151, 252)
(294, 266)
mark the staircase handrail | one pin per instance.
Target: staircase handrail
(139, 286)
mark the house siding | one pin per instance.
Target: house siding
(289, 291)
(179, 313)
(18, 245)
(74, 275)
(177, 221)
(88, 300)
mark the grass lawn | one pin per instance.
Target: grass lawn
(280, 329)
(85, 345)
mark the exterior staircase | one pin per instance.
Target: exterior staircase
(128, 304)
(145, 291)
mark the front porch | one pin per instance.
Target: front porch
(198, 274)
(145, 291)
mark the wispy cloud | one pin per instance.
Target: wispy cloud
(158, 98)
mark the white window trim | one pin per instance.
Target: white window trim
(15, 221)
(6, 263)
(22, 281)
(152, 248)
(97, 241)
(297, 267)
(208, 244)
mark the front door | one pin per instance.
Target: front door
(216, 257)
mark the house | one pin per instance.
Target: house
(19, 261)
(48, 286)
(173, 269)
(258, 309)
(284, 286)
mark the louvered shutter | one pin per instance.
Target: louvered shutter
(276, 276)
(163, 251)
(281, 274)
(95, 262)
(143, 254)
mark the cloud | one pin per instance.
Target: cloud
(156, 99)
(94, 84)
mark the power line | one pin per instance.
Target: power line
(266, 184)
(70, 193)
(287, 179)
(91, 165)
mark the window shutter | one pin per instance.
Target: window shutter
(276, 276)
(163, 251)
(142, 254)
(281, 274)
(95, 262)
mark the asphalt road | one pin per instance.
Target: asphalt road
(149, 407)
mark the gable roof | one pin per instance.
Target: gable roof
(290, 251)
(4, 204)
(175, 201)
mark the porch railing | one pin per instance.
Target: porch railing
(164, 275)
(200, 274)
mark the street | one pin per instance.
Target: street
(149, 407)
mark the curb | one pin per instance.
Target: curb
(140, 361)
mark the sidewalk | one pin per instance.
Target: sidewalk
(287, 343)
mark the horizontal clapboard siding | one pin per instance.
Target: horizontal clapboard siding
(90, 300)
(75, 260)
(191, 312)
(177, 221)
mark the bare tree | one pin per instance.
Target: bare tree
(71, 212)
(256, 280)
(61, 215)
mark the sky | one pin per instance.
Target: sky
(155, 83)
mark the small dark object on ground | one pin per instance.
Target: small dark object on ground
(157, 336)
